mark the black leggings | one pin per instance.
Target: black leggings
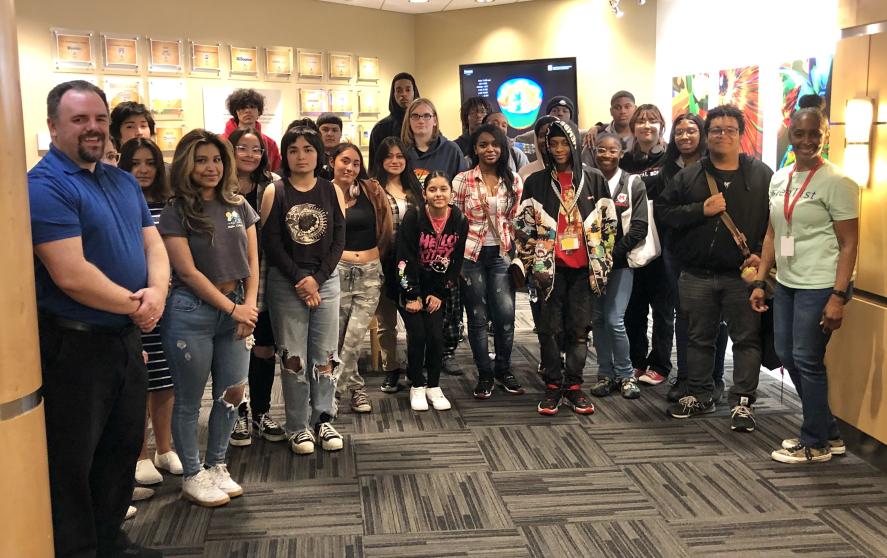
(425, 345)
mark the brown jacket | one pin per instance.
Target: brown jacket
(384, 228)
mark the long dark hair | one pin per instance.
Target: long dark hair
(502, 169)
(159, 189)
(408, 179)
(672, 153)
(260, 174)
(361, 174)
(313, 139)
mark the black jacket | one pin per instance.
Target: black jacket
(704, 242)
(391, 124)
(417, 248)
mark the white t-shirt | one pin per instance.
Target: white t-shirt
(490, 236)
(830, 196)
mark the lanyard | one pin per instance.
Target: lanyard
(556, 186)
(789, 208)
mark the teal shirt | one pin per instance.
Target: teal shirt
(829, 197)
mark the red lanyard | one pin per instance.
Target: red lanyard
(789, 208)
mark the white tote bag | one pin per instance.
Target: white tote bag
(648, 249)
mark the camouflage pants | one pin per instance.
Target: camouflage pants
(360, 286)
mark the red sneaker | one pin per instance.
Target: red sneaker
(651, 378)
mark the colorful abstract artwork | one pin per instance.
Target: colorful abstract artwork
(812, 76)
(690, 94)
(740, 87)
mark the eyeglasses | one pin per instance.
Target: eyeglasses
(732, 132)
(249, 150)
(688, 132)
(604, 151)
(415, 117)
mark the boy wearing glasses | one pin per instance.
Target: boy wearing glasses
(712, 283)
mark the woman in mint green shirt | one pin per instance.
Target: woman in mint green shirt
(812, 240)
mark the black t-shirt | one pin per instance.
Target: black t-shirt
(360, 225)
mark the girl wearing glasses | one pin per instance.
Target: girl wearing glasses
(253, 177)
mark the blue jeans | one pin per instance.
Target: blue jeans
(307, 338)
(488, 296)
(608, 326)
(800, 344)
(199, 340)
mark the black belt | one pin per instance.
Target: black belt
(65, 323)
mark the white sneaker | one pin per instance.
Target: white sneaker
(330, 439)
(438, 400)
(418, 401)
(202, 490)
(130, 513)
(302, 443)
(224, 481)
(141, 493)
(168, 461)
(147, 473)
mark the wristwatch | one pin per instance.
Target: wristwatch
(759, 285)
(843, 295)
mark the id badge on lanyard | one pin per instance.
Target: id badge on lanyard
(787, 243)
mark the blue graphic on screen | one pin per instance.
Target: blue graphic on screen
(520, 100)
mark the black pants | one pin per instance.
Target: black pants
(564, 321)
(261, 370)
(94, 387)
(651, 289)
(425, 345)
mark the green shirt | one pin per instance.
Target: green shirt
(829, 197)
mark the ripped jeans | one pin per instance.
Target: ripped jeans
(199, 340)
(306, 340)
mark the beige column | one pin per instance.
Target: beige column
(25, 520)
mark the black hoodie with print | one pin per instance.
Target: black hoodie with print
(391, 124)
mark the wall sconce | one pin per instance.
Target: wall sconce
(858, 134)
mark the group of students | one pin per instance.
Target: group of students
(291, 266)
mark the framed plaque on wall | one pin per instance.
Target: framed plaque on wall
(72, 50)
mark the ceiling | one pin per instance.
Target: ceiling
(406, 7)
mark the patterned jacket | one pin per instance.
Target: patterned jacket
(535, 226)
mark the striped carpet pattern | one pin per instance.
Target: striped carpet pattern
(496, 479)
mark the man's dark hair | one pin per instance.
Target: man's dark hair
(57, 92)
(290, 137)
(725, 111)
(543, 120)
(307, 122)
(329, 118)
(244, 98)
(620, 94)
(126, 110)
(468, 105)
(812, 100)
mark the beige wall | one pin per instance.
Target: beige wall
(611, 53)
(296, 23)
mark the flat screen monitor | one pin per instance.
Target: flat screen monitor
(520, 89)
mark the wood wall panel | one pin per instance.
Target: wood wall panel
(849, 74)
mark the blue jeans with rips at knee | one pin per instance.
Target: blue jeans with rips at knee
(307, 341)
(489, 297)
(200, 340)
(608, 325)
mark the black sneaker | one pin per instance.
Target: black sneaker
(551, 400)
(268, 428)
(392, 382)
(240, 436)
(688, 406)
(741, 418)
(603, 387)
(576, 398)
(330, 439)
(449, 366)
(718, 392)
(484, 388)
(630, 388)
(677, 390)
(509, 383)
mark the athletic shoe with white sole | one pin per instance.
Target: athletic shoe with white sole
(418, 401)
(330, 439)
(147, 473)
(302, 443)
(202, 490)
(801, 454)
(437, 399)
(836, 446)
(169, 462)
(223, 480)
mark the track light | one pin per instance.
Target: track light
(614, 5)
(642, 2)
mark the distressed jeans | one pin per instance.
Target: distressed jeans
(306, 340)
(800, 344)
(360, 286)
(200, 341)
(608, 326)
(489, 297)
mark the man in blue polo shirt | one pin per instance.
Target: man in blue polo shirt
(101, 275)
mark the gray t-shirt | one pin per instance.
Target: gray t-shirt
(222, 255)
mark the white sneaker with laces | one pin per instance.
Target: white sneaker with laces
(224, 482)
(168, 461)
(437, 399)
(147, 473)
(130, 513)
(418, 401)
(302, 443)
(330, 439)
(202, 490)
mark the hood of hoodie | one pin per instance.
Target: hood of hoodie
(231, 126)
(393, 107)
(572, 135)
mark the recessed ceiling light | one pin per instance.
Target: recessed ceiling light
(418, 1)
(484, 1)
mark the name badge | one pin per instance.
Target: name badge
(570, 239)
(786, 246)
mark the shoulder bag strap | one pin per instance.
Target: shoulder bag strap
(738, 237)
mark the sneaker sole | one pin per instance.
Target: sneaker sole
(274, 437)
(649, 382)
(547, 412)
(240, 443)
(367, 409)
(688, 415)
(391, 389)
(332, 446)
(203, 503)
(298, 451)
(483, 396)
(586, 411)
(235, 493)
(631, 396)
(738, 429)
(780, 458)
(836, 450)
